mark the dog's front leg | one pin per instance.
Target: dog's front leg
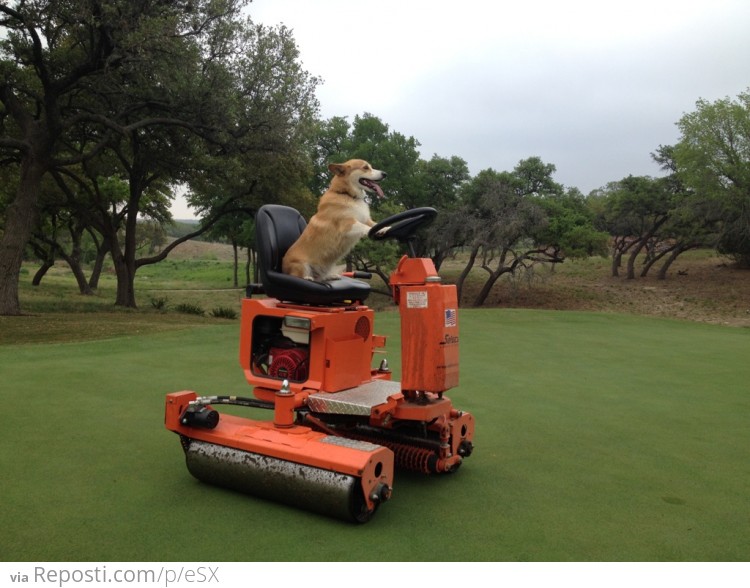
(359, 230)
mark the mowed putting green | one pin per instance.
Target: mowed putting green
(599, 437)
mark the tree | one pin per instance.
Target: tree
(328, 147)
(533, 177)
(510, 221)
(498, 223)
(693, 221)
(712, 158)
(275, 99)
(637, 207)
(171, 89)
(67, 70)
(438, 184)
(570, 228)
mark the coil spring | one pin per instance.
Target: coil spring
(406, 457)
(415, 459)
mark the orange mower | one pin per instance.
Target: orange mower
(339, 425)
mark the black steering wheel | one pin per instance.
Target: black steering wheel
(404, 225)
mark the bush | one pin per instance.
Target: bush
(224, 312)
(159, 303)
(187, 308)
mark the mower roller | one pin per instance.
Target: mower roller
(340, 424)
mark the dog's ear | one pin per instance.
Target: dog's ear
(337, 168)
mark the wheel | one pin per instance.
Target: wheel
(402, 226)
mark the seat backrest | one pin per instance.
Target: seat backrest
(277, 227)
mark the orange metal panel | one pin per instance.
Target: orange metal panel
(429, 337)
(341, 344)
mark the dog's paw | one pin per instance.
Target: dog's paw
(383, 231)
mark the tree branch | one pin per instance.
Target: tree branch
(223, 210)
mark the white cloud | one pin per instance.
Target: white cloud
(592, 87)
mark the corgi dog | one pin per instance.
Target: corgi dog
(342, 219)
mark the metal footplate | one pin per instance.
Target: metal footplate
(354, 401)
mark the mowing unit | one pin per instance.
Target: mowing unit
(339, 425)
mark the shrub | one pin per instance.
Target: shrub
(159, 303)
(188, 308)
(224, 312)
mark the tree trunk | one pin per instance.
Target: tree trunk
(493, 278)
(20, 219)
(630, 275)
(125, 281)
(619, 247)
(248, 261)
(102, 248)
(653, 258)
(125, 265)
(74, 259)
(662, 275)
(641, 243)
(125, 293)
(486, 289)
(236, 263)
(616, 261)
(42, 271)
(465, 272)
(75, 267)
(101, 252)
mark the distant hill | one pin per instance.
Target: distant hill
(203, 250)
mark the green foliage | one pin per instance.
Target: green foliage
(328, 147)
(713, 159)
(371, 139)
(133, 99)
(570, 226)
(224, 313)
(176, 229)
(511, 220)
(533, 177)
(159, 303)
(189, 308)
(437, 183)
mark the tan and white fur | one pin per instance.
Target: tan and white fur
(342, 219)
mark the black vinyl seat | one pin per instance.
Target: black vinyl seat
(276, 229)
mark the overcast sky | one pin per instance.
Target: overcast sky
(591, 86)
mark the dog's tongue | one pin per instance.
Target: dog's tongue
(374, 187)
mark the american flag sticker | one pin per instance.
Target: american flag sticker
(451, 317)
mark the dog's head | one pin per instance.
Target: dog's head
(355, 177)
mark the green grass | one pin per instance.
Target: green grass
(186, 273)
(162, 279)
(599, 437)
